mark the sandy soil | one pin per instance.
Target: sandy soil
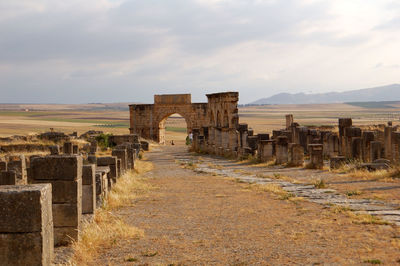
(199, 219)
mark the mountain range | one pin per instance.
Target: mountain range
(376, 94)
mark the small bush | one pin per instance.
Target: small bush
(103, 141)
(319, 183)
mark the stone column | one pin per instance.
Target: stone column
(67, 148)
(281, 150)
(376, 150)
(388, 143)
(343, 123)
(289, 120)
(356, 148)
(18, 164)
(367, 138)
(8, 178)
(333, 145)
(88, 189)
(26, 225)
(316, 156)
(120, 154)
(65, 175)
(296, 154)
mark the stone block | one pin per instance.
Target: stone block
(296, 154)
(67, 215)
(25, 208)
(8, 178)
(106, 161)
(18, 164)
(64, 191)
(316, 156)
(36, 248)
(88, 174)
(88, 199)
(92, 159)
(56, 167)
(121, 154)
(75, 149)
(67, 148)
(375, 150)
(3, 166)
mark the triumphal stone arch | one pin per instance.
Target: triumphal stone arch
(215, 121)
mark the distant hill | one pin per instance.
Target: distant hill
(377, 94)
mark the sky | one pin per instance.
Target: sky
(57, 51)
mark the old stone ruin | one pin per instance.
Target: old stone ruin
(45, 198)
(216, 130)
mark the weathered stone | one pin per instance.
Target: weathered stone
(67, 215)
(89, 188)
(316, 156)
(296, 154)
(356, 145)
(18, 164)
(57, 168)
(8, 178)
(105, 161)
(25, 208)
(92, 159)
(388, 143)
(367, 138)
(3, 166)
(34, 248)
(67, 148)
(64, 191)
(121, 154)
(266, 150)
(75, 149)
(376, 150)
(281, 147)
(88, 198)
(289, 120)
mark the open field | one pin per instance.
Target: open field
(114, 118)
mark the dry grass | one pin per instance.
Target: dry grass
(358, 218)
(275, 189)
(107, 229)
(104, 232)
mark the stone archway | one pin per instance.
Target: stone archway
(162, 126)
(145, 119)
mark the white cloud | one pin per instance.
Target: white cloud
(139, 48)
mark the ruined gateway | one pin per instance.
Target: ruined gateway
(217, 119)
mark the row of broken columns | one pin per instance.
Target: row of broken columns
(289, 145)
(60, 189)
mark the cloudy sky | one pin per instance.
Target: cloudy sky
(58, 51)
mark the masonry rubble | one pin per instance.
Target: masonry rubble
(63, 187)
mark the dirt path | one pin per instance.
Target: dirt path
(202, 219)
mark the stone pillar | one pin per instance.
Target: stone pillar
(65, 175)
(252, 143)
(316, 156)
(296, 154)
(3, 166)
(75, 149)
(396, 146)
(8, 178)
(367, 138)
(333, 145)
(349, 134)
(281, 150)
(93, 147)
(266, 150)
(88, 189)
(120, 154)
(343, 123)
(388, 143)
(67, 148)
(18, 164)
(356, 152)
(111, 162)
(26, 225)
(376, 150)
(145, 145)
(289, 120)
(92, 159)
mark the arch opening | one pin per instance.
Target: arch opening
(173, 128)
